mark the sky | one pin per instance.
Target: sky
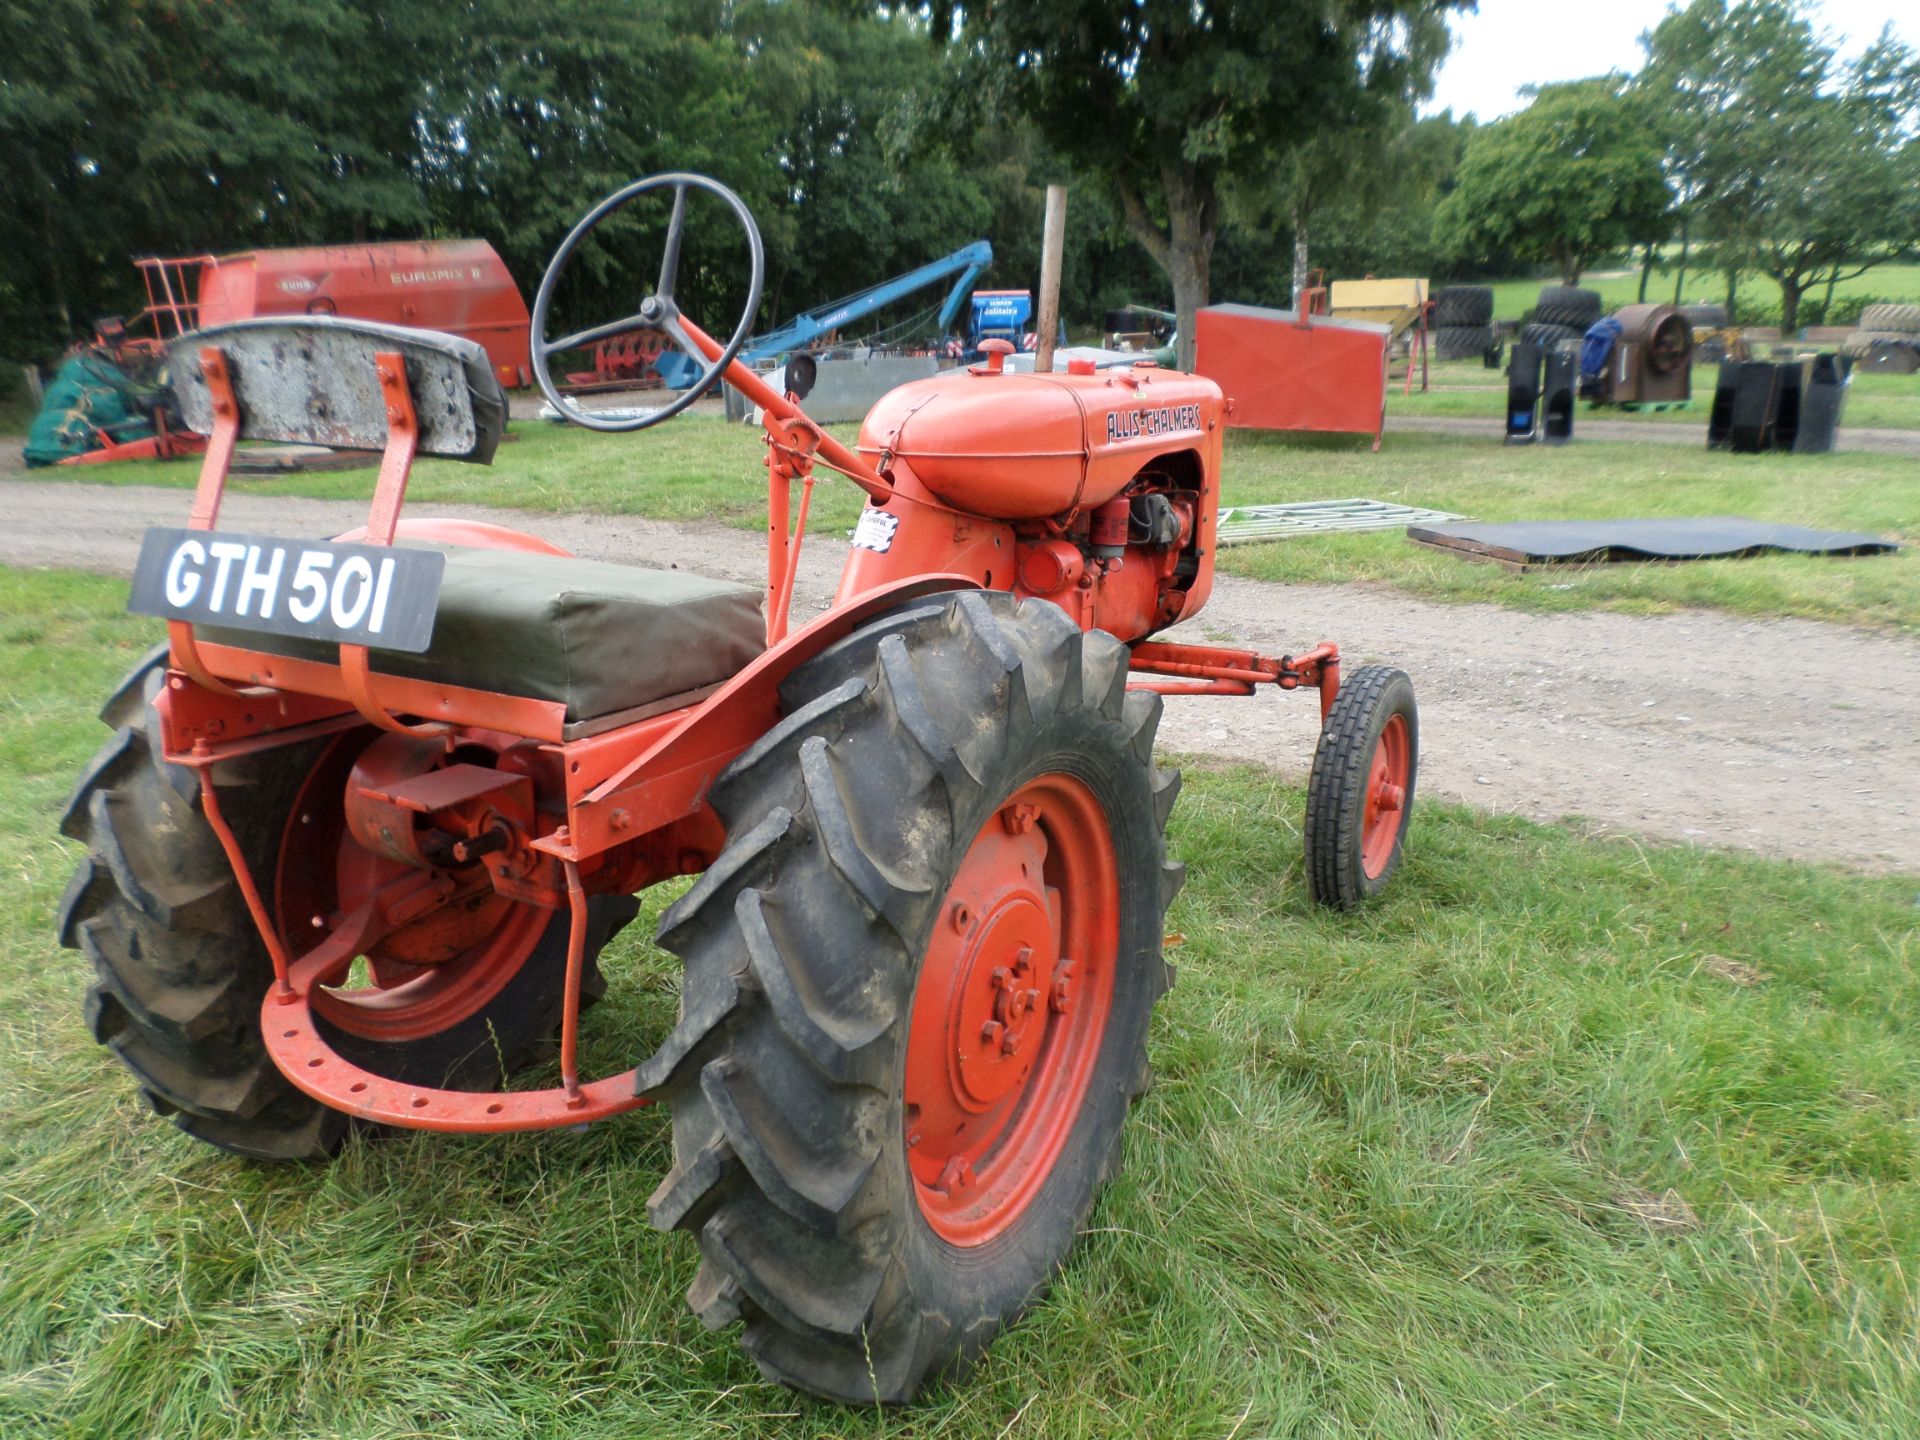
(1510, 43)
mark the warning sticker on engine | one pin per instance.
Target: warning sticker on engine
(875, 531)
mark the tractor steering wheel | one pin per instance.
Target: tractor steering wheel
(657, 312)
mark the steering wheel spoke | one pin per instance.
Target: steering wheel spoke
(658, 312)
(670, 258)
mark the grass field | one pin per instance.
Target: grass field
(1468, 388)
(1567, 1138)
(1879, 494)
(700, 469)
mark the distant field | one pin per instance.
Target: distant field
(1513, 296)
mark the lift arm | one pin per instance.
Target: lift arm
(966, 263)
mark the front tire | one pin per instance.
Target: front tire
(964, 776)
(1360, 792)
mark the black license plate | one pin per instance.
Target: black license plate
(353, 594)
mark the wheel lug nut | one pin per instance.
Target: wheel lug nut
(1009, 1044)
(990, 1032)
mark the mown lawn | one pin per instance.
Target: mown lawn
(698, 468)
(1567, 1138)
(1467, 475)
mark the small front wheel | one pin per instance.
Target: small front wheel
(1360, 796)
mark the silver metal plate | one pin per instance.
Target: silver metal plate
(1247, 524)
(311, 380)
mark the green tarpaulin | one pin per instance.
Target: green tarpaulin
(90, 397)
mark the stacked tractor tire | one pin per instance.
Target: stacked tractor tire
(1563, 313)
(1889, 336)
(1462, 322)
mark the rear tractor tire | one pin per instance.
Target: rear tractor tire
(918, 985)
(1461, 342)
(1360, 793)
(181, 971)
(1463, 305)
(1547, 336)
(1567, 305)
(1896, 319)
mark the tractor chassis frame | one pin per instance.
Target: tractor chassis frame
(635, 795)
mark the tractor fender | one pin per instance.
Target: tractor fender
(474, 534)
(673, 777)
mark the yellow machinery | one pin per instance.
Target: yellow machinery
(1398, 304)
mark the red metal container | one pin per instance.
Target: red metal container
(458, 286)
(1281, 371)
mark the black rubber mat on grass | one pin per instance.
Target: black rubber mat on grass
(1702, 537)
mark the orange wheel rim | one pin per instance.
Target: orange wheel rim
(1011, 1009)
(427, 976)
(1386, 799)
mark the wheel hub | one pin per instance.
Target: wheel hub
(1387, 778)
(998, 1054)
(995, 970)
(429, 971)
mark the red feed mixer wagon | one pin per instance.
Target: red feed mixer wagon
(461, 287)
(370, 815)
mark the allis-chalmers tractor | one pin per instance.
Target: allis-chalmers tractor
(369, 816)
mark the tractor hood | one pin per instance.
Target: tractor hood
(1028, 447)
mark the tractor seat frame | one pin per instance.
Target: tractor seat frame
(602, 642)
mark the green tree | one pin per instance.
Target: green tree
(1569, 179)
(1713, 72)
(1360, 199)
(530, 113)
(1789, 162)
(182, 127)
(1160, 101)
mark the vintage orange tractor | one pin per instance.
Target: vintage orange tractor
(371, 813)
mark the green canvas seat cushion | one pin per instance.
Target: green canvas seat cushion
(597, 637)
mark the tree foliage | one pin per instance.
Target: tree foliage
(204, 126)
(1207, 143)
(189, 126)
(1573, 177)
(1791, 163)
(1162, 102)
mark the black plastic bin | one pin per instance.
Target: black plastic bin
(1720, 418)
(1523, 393)
(1557, 397)
(1756, 400)
(1820, 402)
